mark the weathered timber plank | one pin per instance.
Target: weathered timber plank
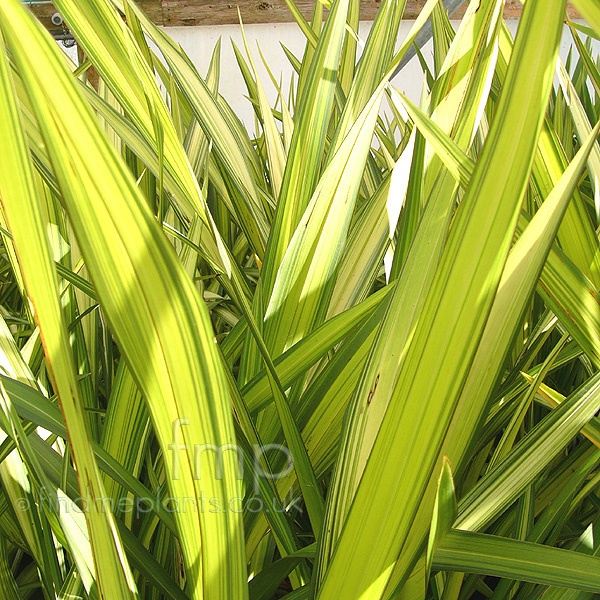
(224, 12)
(44, 12)
(219, 12)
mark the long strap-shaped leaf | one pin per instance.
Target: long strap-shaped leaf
(421, 262)
(374, 62)
(310, 126)
(108, 42)
(33, 406)
(119, 60)
(300, 357)
(590, 12)
(518, 280)
(7, 580)
(563, 287)
(152, 307)
(28, 226)
(16, 480)
(438, 358)
(425, 35)
(502, 557)
(503, 484)
(232, 146)
(303, 286)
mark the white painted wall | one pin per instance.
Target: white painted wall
(199, 42)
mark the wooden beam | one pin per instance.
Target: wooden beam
(224, 12)
(220, 12)
(44, 12)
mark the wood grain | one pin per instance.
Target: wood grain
(217, 12)
(224, 12)
(44, 12)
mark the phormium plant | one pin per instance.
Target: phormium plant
(354, 356)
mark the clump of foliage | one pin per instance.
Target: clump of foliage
(355, 355)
